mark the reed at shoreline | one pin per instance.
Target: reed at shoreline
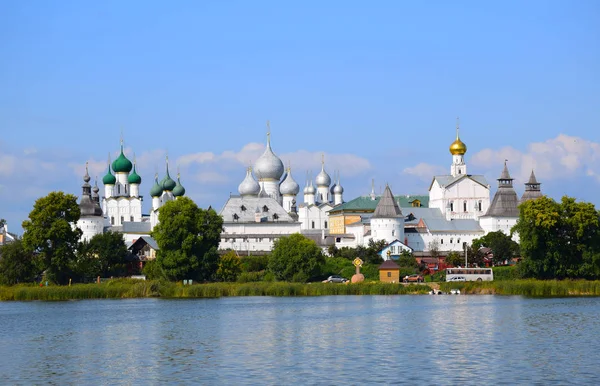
(129, 288)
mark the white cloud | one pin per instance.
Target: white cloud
(557, 158)
(7, 165)
(425, 171)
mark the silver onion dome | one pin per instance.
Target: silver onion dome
(323, 178)
(289, 186)
(310, 189)
(338, 189)
(268, 166)
(249, 186)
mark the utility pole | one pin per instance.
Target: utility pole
(466, 261)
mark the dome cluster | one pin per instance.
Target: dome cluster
(268, 178)
(123, 165)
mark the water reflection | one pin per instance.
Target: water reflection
(313, 340)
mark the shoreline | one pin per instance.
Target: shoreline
(131, 288)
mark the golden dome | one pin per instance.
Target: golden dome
(458, 147)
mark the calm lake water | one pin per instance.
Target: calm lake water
(316, 340)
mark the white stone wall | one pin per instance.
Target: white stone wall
(90, 226)
(465, 190)
(309, 215)
(234, 235)
(388, 229)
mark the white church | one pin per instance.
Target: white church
(120, 209)
(458, 210)
(266, 207)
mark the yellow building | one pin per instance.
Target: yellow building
(389, 272)
(353, 211)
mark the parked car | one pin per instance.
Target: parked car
(413, 278)
(335, 279)
(457, 278)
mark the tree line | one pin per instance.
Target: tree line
(557, 240)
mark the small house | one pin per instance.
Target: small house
(389, 272)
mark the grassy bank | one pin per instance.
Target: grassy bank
(138, 289)
(126, 288)
(528, 287)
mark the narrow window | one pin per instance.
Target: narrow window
(451, 206)
(131, 218)
(479, 206)
(325, 224)
(313, 224)
(465, 206)
(112, 220)
(389, 274)
(118, 189)
(122, 220)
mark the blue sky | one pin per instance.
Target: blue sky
(374, 86)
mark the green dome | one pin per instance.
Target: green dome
(134, 178)
(179, 190)
(109, 179)
(167, 183)
(122, 164)
(156, 190)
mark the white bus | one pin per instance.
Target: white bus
(469, 274)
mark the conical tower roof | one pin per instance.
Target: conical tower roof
(505, 200)
(387, 206)
(532, 189)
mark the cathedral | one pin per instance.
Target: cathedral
(120, 210)
(266, 207)
(456, 211)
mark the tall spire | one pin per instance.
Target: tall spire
(457, 126)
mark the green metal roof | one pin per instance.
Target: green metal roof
(366, 204)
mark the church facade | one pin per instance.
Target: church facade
(120, 209)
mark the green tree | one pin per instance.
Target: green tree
(559, 240)
(187, 237)
(230, 267)
(295, 258)
(455, 259)
(17, 264)
(50, 233)
(502, 245)
(407, 260)
(103, 255)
